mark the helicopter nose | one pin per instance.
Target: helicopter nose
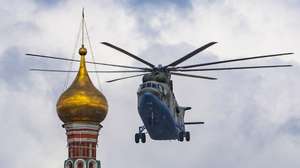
(148, 97)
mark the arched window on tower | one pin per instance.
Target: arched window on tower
(80, 163)
(69, 164)
(92, 164)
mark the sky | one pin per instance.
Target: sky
(251, 117)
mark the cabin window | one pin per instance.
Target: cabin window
(153, 85)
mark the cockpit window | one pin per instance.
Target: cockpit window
(152, 85)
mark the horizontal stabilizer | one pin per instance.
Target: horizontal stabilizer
(193, 123)
(187, 108)
(184, 108)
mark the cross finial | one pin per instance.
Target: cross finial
(82, 12)
(82, 29)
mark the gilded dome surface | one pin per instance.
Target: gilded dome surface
(82, 102)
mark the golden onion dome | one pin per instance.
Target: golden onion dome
(82, 102)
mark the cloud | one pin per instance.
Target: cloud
(291, 127)
(158, 4)
(251, 115)
(47, 3)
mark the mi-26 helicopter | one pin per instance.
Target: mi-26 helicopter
(162, 116)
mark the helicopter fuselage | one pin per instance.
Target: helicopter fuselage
(162, 117)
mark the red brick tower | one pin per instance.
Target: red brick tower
(82, 141)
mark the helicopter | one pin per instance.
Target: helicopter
(163, 118)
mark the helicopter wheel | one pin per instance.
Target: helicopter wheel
(143, 137)
(181, 136)
(187, 136)
(137, 138)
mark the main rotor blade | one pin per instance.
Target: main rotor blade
(126, 77)
(50, 70)
(193, 123)
(232, 68)
(129, 54)
(234, 60)
(193, 76)
(57, 70)
(182, 59)
(89, 62)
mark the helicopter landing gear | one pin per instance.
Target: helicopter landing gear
(140, 136)
(183, 135)
(187, 136)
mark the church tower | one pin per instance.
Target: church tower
(82, 107)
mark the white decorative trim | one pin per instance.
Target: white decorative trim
(82, 140)
(82, 132)
(72, 126)
(90, 150)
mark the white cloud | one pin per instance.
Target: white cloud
(251, 116)
(242, 28)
